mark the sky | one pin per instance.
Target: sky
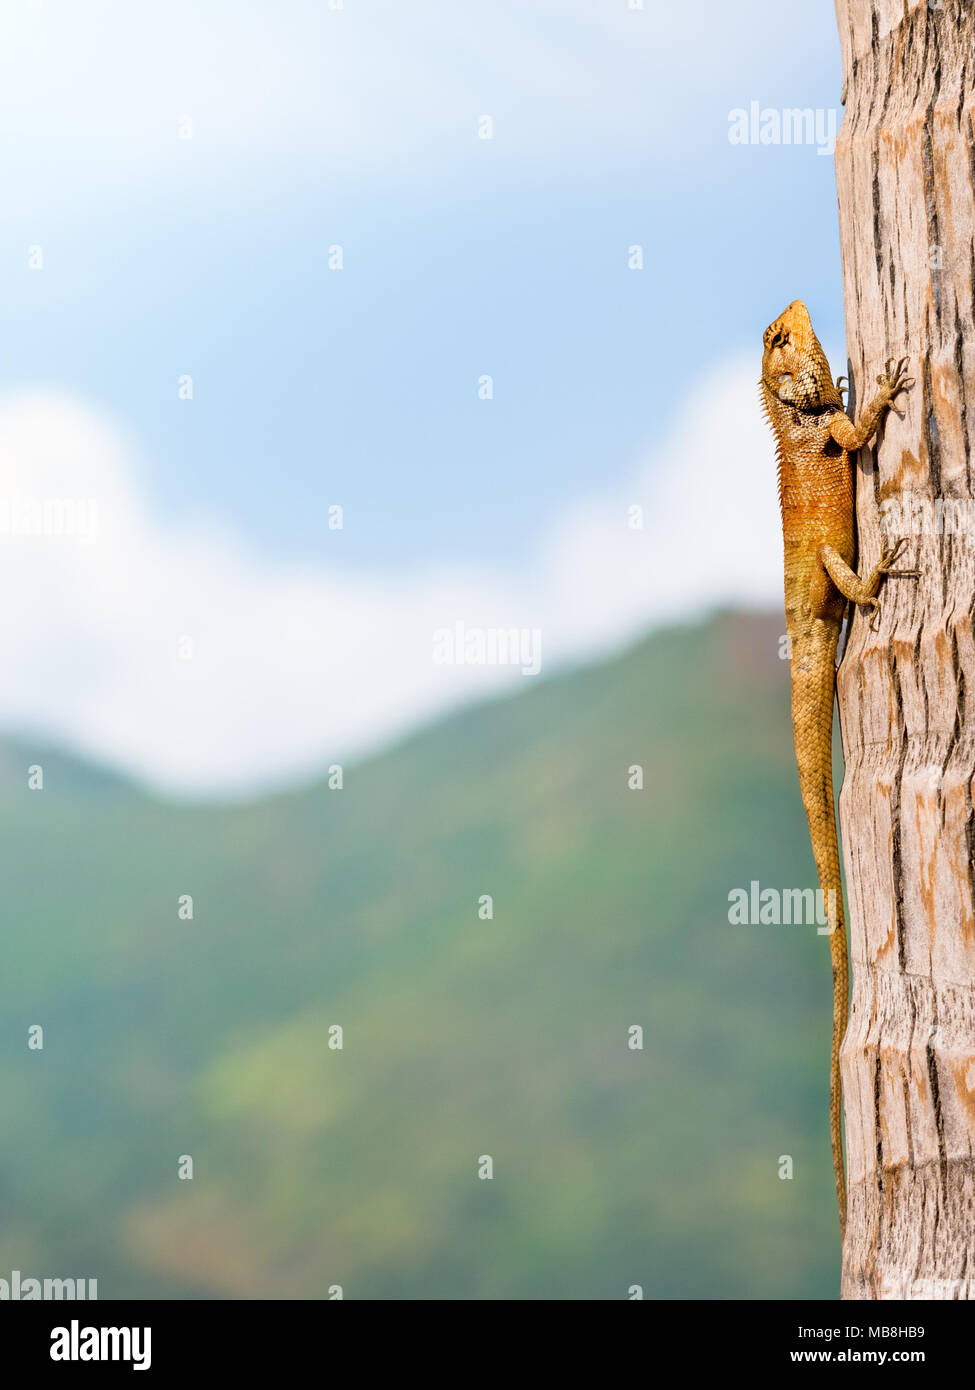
(262, 262)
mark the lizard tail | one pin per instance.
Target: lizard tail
(812, 715)
(841, 1006)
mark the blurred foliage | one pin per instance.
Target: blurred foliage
(462, 1037)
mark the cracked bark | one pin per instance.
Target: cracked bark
(905, 168)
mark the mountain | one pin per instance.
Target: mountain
(462, 1036)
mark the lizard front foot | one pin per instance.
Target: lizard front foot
(892, 379)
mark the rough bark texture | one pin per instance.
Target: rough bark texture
(905, 165)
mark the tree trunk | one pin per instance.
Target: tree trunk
(905, 167)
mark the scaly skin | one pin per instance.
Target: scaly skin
(815, 439)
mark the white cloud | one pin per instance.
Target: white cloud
(711, 524)
(292, 667)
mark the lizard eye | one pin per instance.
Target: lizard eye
(778, 340)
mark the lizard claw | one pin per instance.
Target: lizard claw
(843, 390)
(890, 557)
(892, 378)
(892, 553)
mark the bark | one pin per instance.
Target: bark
(905, 165)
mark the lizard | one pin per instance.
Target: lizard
(815, 443)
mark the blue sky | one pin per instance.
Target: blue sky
(358, 126)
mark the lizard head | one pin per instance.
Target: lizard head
(795, 371)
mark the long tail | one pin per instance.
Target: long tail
(813, 686)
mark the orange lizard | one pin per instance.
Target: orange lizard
(815, 439)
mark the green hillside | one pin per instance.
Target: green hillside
(462, 1037)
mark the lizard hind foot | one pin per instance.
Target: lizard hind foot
(891, 555)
